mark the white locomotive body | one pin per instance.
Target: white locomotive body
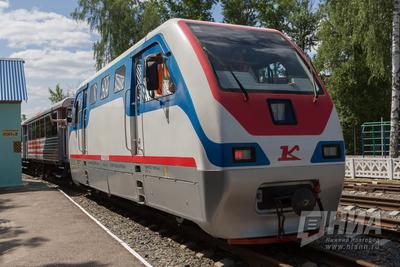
(223, 125)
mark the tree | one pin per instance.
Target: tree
(23, 117)
(190, 9)
(354, 53)
(297, 18)
(394, 116)
(116, 23)
(274, 13)
(57, 94)
(303, 23)
(241, 12)
(153, 13)
(121, 23)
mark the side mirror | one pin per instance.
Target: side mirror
(152, 80)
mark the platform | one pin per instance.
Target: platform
(39, 226)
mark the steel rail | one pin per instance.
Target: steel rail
(370, 202)
(370, 187)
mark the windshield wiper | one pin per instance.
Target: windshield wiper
(315, 98)
(246, 95)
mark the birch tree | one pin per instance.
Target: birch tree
(394, 116)
(57, 94)
(355, 54)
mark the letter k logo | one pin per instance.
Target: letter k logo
(288, 154)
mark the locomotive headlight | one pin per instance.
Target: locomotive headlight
(244, 154)
(330, 151)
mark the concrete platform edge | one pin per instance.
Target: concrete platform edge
(125, 245)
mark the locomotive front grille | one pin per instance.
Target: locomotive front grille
(269, 195)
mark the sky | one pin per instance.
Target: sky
(55, 48)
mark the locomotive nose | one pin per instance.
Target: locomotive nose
(303, 199)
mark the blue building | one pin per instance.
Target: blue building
(12, 93)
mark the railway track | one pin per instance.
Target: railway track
(370, 202)
(190, 236)
(372, 187)
(390, 227)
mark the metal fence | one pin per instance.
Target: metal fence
(375, 138)
(372, 167)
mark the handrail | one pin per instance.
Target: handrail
(83, 131)
(137, 92)
(126, 137)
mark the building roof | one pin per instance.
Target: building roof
(12, 80)
(65, 103)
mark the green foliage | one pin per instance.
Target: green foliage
(275, 13)
(303, 24)
(297, 18)
(121, 23)
(190, 9)
(153, 13)
(242, 12)
(57, 94)
(354, 54)
(116, 23)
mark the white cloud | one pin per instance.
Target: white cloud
(56, 49)
(4, 4)
(24, 28)
(45, 68)
(60, 64)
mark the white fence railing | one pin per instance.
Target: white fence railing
(368, 167)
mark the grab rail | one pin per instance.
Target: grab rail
(126, 137)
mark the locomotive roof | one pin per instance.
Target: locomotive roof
(157, 30)
(66, 102)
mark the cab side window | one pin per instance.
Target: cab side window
(105, 84)
(77, 109)
(93, 93)
(119, 79)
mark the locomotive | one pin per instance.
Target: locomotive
(226, 126)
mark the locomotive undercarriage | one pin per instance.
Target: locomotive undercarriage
(229, 204)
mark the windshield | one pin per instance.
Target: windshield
(254, 60)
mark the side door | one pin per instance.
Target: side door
(137, 133)
(76, 142)
(83, 120)
(153, 85)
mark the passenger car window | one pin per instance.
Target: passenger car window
(105, 84)
(93, 93)
(48, 126)
(119, 80)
